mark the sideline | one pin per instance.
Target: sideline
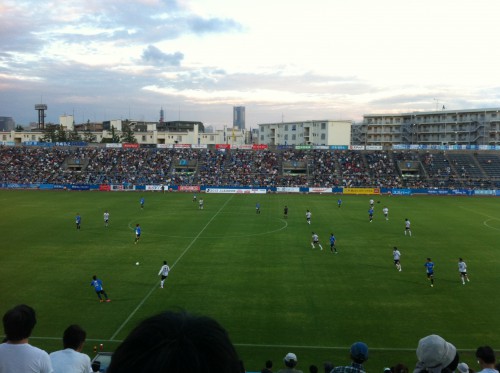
(254, 345)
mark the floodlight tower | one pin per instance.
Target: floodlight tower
(41, 115)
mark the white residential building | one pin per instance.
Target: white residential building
(312, 132)
(445, 127)
(224, 136)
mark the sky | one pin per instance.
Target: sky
(284, 60)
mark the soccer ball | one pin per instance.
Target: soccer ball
(136, 263)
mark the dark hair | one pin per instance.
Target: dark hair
(290, 363)
(328, 365)
(176, 342)
(452, 366)
(73, 337)
(18, 322)
(94, 277)
(96, 366)
(313, 369)
(399, 368)
(486, 354)
(269, 364)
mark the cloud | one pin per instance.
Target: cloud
(208, 25)
(154, 56)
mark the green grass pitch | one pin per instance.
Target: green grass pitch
(257, 274)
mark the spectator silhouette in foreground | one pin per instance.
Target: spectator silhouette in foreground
(71, 359)
(268, 368)
(290, 361)
(435, 355)
(462, 368)
(328, 366)
(486, 359)
(399, 368)
(16, 354)
(176, 342)
(359, 354)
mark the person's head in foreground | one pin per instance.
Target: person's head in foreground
(176, 342)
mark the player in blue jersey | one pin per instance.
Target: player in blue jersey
(97, 284)
(141, 201)
(257, 208)
(429, 265)
(285, 212)
(137, 233)
(370, 214)
(332, 243)
(78, 221)
(339, 202)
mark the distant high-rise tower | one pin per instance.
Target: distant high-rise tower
(239, 117)
(161, 116)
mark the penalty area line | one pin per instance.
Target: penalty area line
(171, 268)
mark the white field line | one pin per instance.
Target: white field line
(253, 345)
(171, 268)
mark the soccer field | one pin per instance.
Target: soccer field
(257, 273)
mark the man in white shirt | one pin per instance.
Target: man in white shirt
(407, 227)
(462, 268)
(396, 255)
(315, 240)
(385, 210)
(17, 355)
(308, 217)
(163, 273)
(106, 218)
(71, 359)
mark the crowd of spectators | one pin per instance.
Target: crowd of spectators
(180, 342)
(234, 167)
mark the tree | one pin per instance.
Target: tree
(49, 134)
(89, 137)
(114, 137)
(74, 135)
(61, 134)
(128, 134)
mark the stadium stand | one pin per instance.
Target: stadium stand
(261, 168)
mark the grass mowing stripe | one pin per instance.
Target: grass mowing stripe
(173, 265)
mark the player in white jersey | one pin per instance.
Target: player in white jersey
(396, 255)
(308, 217)
(200, 203)
(385, 210)
(164, 270)
(315, 240)
(462, 268)
(372, 202)
(407, 227)
(106, 218)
